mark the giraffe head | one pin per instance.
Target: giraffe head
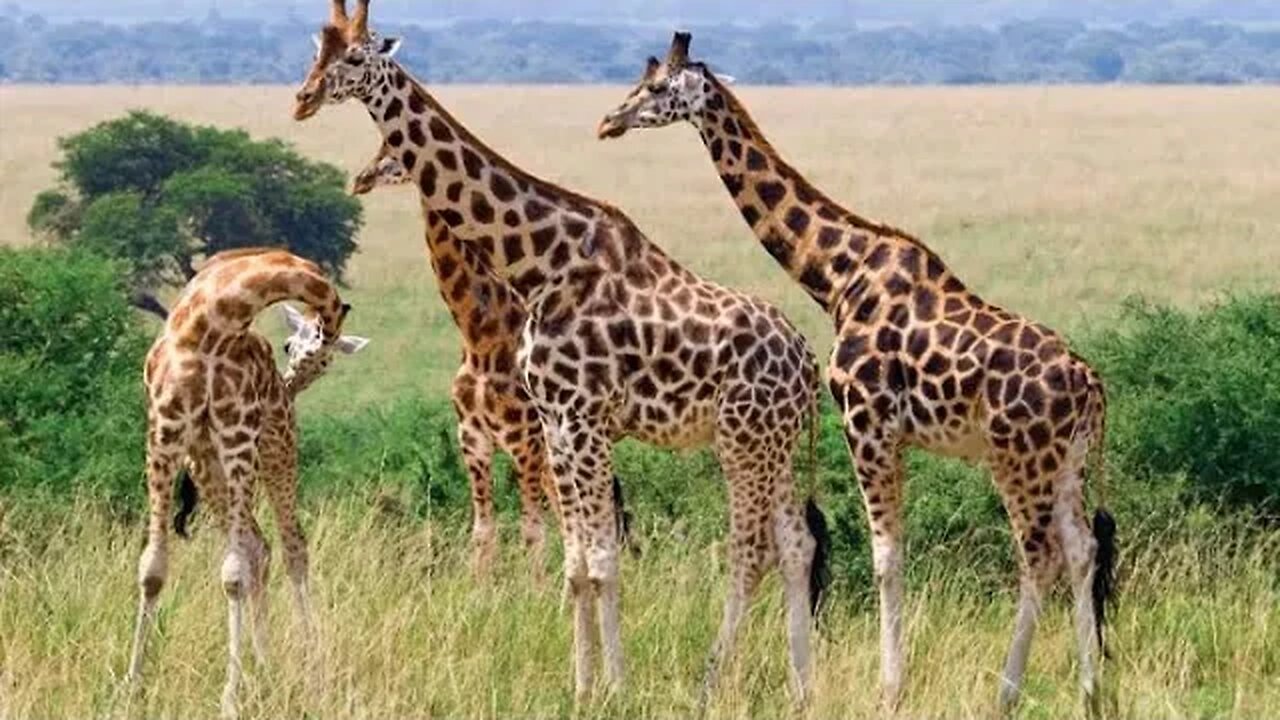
(309, 354)
(385, 169)
(350, 61)
(670, 90)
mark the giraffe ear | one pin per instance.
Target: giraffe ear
(318, 41)
(388, 46)
(351, 344)
(726, 79)
(293, 319)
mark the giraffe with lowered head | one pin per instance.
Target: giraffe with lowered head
(216, 401)
(921, 361)
(489, 396)
(620, 341)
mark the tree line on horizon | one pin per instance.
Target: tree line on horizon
(220, 50)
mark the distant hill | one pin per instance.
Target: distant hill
(216, 49)
(976, 12)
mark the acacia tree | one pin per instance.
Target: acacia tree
(160, 195)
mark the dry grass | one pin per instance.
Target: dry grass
(1055, 202)
(405, 632)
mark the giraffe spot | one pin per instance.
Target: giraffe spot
(868, 373)
(918, 342)
(1001, 360)
(1012, 389)
(439, 130)
(575, 227)
(560, 256)
(525, 283)
(394, 108)
(472, 162)
(644, 387)
(452, 217)
(735, 149)
(899, 316)
(751, 214)
(501, 186)
(717, 149)
(1028, 339)
(416, 135)
(829, 236)
(511, 218)
(513, 248)
(909, 260)
(730, 126)
(756, 160)
(813, 278)
(867, 309)
(1038, 434)
(733, 183)
(454, 192)
(841, 264)
(771, 193)
(878, 257)
(542, 240)
(777, 246)
(395, 139)
(417, 102)
(447, 159)
(983, 322)
(897, 285)
(798, 220)
(481, 209)
(934, 267)
(937, 364)
(409, 159)
(426, 181)
(535, 210)
(1060, 409)
(926, 304)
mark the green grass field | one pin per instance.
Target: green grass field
(1055, 202)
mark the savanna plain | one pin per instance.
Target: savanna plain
(1059, 203)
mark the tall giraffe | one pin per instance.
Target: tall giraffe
(620, 341)
(919, 360)
(216, 400)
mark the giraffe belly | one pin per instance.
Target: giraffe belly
(669, 425)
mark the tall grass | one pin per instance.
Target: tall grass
(404, 631)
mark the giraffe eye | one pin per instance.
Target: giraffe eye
(657, 88)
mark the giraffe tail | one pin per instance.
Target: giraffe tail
(623, 516)
(188, 497)
(1104, 524)
(820, 569)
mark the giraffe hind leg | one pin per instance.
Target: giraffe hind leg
(153, 565)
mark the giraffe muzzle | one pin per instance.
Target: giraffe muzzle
(612, 126)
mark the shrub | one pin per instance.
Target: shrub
(1198, 394)
(70, 375)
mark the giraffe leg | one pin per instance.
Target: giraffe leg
(282, 492)
(531, 472)
(878, 461)
(238, 566)
(747, 564)
(795, 554)
(153, 566)
(581, 457)
(1079, 548)
(260, 552)
(477, 453)
(1040, 561)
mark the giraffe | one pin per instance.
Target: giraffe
(921, 361)
(621, 341)
(216, 401)
(489, 397)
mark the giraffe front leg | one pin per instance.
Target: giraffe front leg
(878, 464)
(153, 566)
(581, 457)
(477, 454)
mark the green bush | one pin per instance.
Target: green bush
(70, 375)
(1197, 394)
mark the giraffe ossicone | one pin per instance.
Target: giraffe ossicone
(621, 341)
(919, 360)
(218, 405)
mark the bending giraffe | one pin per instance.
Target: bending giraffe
(919, 360)
(216, 400)
(489, 397)
(621, 341)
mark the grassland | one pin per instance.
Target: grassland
(1056, 202)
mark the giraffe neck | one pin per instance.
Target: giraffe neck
(818, 242)
(529, 232)
(482, 308)
(235, 289)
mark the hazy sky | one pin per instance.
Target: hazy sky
(665, 11)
